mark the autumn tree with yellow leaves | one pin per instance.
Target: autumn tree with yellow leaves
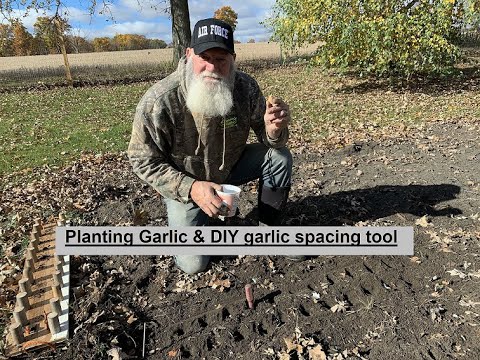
(48, 31)
(382, 37)
(101, 44)
(22, 40)
(227, 14)
(130, 42)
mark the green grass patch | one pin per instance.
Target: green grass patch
(55, 126)
(322, 101)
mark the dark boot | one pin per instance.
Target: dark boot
(271, 203)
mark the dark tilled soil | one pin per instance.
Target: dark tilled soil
(397, 307)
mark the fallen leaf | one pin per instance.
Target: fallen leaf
(172, 353)
(271, 265)
(341, 306)
(94, 317)
(27, 330)
(317, 353)
(456, 272)
(269, 352)
(131, 319)
(444, 241)
(307, 342)
(218, 283)
(475, 274)
(114, 353)
(293, 345)
(316, 297)
(423, 221)
(120, 309)
(468, 303)
(187, 286)
(117, 354)
(415, 259)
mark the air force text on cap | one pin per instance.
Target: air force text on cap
(214, 30)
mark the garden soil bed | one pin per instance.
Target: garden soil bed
(424, 306)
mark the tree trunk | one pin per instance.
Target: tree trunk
(61, 39)
(68, 72)
(181, 33)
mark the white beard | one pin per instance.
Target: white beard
(209, 98)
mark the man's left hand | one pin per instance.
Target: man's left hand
(277, 117)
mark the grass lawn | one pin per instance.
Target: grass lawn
(54, 126)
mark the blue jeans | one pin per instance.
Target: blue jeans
(273, 167)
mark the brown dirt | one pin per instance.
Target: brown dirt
(423, 307)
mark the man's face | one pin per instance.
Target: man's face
(210, 78)
(216, 62)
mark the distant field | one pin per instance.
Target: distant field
(154, 56)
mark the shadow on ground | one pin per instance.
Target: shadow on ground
(350, 207)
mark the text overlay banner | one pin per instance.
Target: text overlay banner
(251, 240)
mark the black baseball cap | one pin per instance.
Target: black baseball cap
(212, 33)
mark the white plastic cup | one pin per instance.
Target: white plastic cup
(230, 195)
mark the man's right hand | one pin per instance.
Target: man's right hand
(204, 195)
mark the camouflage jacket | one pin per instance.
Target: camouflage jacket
(165, 135)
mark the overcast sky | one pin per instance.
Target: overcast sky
(130, 17)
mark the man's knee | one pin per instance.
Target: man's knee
(282, 158)
(192, 264)
(278, 172)
(180, 214)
